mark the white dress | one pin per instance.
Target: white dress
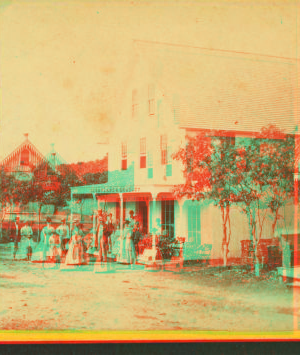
(75, 255)
(55, 250)
(130, 249)
(42, 248)
(115, 242)
(123, 256)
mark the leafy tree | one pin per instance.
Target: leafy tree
(12, 192)
(266, 182)
(6, 184)
(56, 193)
(211, 174)
(95, 178)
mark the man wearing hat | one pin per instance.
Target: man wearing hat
(110, 229)
(15, 234)
(64, 233)
(26, 233)
(136, 237)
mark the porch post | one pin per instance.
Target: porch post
(121, 216)
(153, 221)
(94, 215)
(148, 216)
(71, 222)
(179, 230)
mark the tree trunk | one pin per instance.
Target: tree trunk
(252, 237)
(275, 221)
(39, 237)
(1, 237)
(226, 233)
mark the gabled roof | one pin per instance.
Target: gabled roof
(25, 145)
(55, 159)
(222, 90)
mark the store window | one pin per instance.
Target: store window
(194, 225)
(167, 216)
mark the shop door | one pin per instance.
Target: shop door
(142, 212)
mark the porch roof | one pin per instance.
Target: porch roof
(104, 189)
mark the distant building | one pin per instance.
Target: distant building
(23, 160)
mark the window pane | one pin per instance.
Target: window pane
(194, 226)
(150, 159)
(169, 170)
(124, 164)
(150, 173)
(143, 145)
(151, 107)
(124, 150)
(143, 162)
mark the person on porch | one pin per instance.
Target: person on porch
(132, 219)
(136, 237)
(99, 231)
(122, 254)
(130, 254)
(103, 240)
(110, 229)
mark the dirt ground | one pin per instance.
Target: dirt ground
(41, 296)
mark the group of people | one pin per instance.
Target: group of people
(75, 248)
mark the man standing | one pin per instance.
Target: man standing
(26, 233)
(103, 241)
(110, 229)
(136, 237)
(64, 233)
(15, 235)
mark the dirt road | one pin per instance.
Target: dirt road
(37, 296)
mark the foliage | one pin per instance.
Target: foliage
(267, 182)
(211, 174)
(167, 245)
(257, 175)
(95, 178)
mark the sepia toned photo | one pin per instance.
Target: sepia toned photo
(149, 163)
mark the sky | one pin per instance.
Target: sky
(63, 64)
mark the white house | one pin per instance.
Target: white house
(172, 92)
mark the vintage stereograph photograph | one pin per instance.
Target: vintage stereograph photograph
(149, 163)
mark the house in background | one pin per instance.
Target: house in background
(172, 92)
(23, 160)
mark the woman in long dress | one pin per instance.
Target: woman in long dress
(75, 255)
(121, 258)
(125, 254)
(115, 242)
(130, 248)
(42, 248)
(55, 250)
